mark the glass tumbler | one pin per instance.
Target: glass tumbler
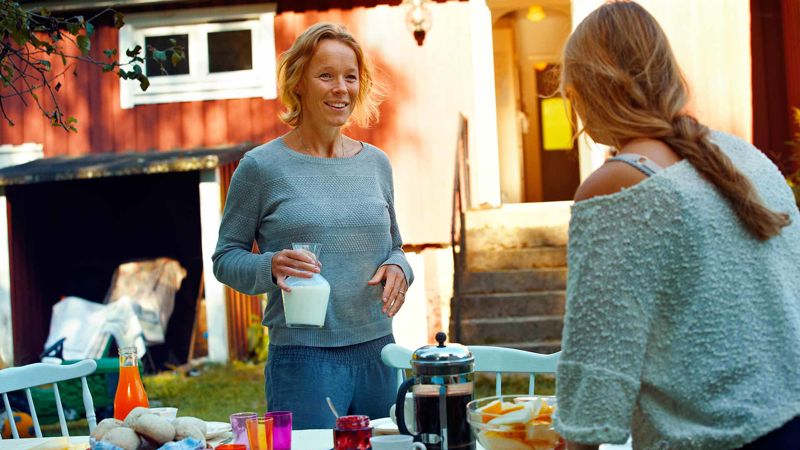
(259, 433)
(239, 426)
(281, 429)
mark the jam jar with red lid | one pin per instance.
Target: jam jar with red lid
(352, 433)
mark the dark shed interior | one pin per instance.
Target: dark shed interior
(67, 238)
(72, 222)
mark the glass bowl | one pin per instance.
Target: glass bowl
(514, 422)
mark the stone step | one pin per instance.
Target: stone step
(517, 258)
(523, 225)
(531, 329)
(499, 238)
(518, 304)
(510, 281)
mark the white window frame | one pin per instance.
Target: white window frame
(199, 84)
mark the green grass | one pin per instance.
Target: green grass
(214, 394)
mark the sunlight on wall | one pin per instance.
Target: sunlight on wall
(711, 40)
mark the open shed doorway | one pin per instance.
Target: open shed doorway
(538, 158)
(68, 237)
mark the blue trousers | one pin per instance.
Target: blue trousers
(298, 378)
(787, 437)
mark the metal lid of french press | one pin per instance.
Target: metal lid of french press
(451, 359)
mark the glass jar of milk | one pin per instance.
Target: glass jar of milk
(307, 303)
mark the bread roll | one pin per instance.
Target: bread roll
(155, 429)
(104, 427)
(122, 437)
(194, 421)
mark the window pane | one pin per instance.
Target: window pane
(153, 69)
(229, 51)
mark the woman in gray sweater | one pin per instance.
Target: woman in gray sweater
(314, 184)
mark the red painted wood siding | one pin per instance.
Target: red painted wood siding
(428, 87)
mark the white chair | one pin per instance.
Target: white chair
(502, 360)
(498, 360)
(26, 377)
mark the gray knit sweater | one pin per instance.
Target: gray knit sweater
(680, 327)
(278, 196)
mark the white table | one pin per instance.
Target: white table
(323, 440)
(301, 440)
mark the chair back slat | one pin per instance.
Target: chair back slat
(531, 383)
(10, 415)
(25, 377)
(88, 405)
(36, 428)
(60, 408)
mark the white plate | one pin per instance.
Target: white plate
(216, 429)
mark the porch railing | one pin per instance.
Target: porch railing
(458, 244)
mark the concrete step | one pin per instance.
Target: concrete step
(510, 281)
(531, 329)
(517, 258)
(523, 225)
(518, 304)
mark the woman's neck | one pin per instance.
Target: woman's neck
(327, 143)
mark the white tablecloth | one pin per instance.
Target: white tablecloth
(301, 440)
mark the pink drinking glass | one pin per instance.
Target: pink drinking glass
(281, 429)
(239, 426)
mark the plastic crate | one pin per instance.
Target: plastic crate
(102, 384)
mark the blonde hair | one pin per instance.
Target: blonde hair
(293, 62)
(621, 76)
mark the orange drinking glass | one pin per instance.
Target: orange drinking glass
(259, 433)
(130, 390)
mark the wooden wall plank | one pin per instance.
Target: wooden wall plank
(169, 130)
(147, 127)
(192, 124)
(215, 131)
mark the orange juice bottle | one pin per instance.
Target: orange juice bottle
(130, 390)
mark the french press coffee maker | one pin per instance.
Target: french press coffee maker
(442, 385)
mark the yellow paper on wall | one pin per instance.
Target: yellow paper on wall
(556, 125)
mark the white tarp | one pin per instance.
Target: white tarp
(87, 325)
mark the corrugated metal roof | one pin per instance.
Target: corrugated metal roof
(101, 165)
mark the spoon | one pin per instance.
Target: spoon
(330, 405)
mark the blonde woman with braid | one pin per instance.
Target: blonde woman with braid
(682, 322)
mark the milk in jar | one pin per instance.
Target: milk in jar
(307, 304)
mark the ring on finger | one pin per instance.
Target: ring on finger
(401, 292)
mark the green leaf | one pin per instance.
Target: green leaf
(137, 69)
(73, 28)
(133, 52)
(173, 42)
(84, 44)
(44, 12)
(57, 87)
(35, 97)
(45, 63)
(122, 74)
(119, 19)
(110, 52)
(20, 36)
(89, 29)
(144, 83)
(109, 67)
(159, 55)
